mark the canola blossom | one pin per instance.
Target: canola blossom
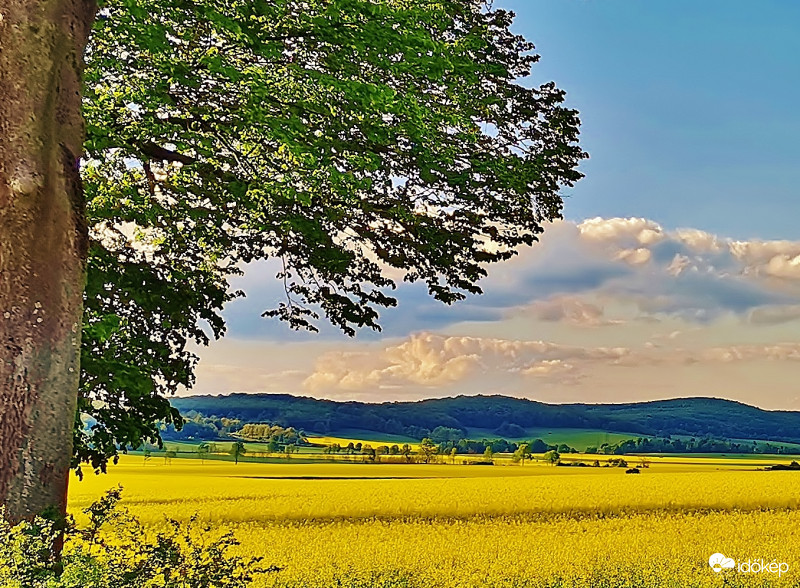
(456, 526)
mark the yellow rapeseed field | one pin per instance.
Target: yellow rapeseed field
(419, 526)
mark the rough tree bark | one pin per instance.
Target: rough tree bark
(43, 242)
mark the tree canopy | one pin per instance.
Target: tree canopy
(340, 137)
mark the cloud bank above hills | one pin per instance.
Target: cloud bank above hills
(602, 310)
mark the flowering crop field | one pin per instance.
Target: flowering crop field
(419, 526)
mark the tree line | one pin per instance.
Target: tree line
(692, 445)
(271, 432)
(431, 450)
(197, 426)
(506, 417)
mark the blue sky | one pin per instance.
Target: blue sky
(689, 109)
(676, 271)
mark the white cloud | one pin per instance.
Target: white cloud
(784, 266)
(687, 273)
(638, 256)
(622, 230)
(759, 252)
(549, 367)
(428, 359)
(677, 298)
(699, 241)
(427, 364)
(678, 264)
(634, 240)
(568, 309)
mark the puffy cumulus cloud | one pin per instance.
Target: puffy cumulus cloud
(693, 274)
(784, 266)
(435, 361)
(675, 298)
(699, 241)
(634, 256)
(426, 364)
(622, 231)
(637, 241)
(758, 253)
(755, 258)
(778, 259)
(569, 309)
(685, 273)
(333, 370)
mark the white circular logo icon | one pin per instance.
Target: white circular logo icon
(719, 562)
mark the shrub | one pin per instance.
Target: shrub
(116, 551)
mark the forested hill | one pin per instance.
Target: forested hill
(685, 416)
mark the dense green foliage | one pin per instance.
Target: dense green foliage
(510, 430)
(270, 432)
(478, 446)
(338, 138)
(443, 434)
(692, 445)
(116, 551)
(698, 417)
(197, 426)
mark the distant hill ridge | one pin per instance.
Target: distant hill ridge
(697, 416)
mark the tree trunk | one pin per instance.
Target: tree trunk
(43, 243)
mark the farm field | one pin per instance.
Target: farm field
(578, 438)
(418, 526)
(364, 435)
(257, 452)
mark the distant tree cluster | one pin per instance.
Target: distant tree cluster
(413, 431)
(443, 434)
(691, 445)
(510, 430)
(270, 432)
(369, 453)
(535, 446)
(199, 427)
